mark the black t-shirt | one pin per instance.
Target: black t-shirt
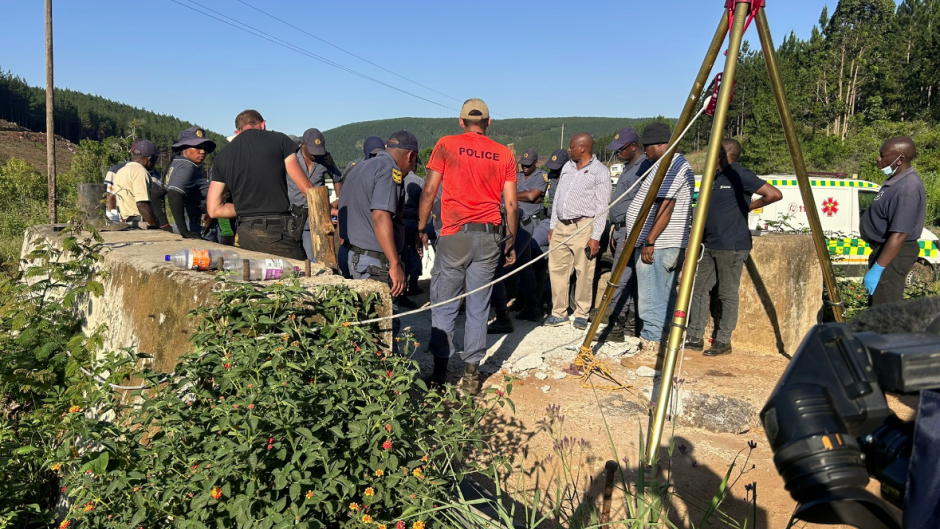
(252, 168)
(726, 225)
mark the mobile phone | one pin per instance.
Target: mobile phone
(587, 253)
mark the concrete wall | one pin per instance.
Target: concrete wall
(780, 295)
(146, 300)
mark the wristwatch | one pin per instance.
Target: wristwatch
(649, 244)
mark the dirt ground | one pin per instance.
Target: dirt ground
(700, 458)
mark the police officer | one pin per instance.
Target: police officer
(370, 147)
(371, 214)
(622, 309)
(252, 169)
(317, 164)
(187, 184)
(526, 293)
(893, 223)
(413, 184)
(476, 175)
(540, 243)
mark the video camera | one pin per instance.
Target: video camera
(830, 427)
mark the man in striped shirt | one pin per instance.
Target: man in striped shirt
(661, 246)
(582, 196)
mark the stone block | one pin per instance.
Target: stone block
(780, 295)
(146, 300)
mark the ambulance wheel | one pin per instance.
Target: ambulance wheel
(923, 273)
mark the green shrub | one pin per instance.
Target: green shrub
(281, 415)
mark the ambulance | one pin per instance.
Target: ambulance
(839, 202)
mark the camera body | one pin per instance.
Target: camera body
(829, 425)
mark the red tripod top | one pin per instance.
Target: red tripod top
(752, 12)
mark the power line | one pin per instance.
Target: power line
(274, 40)
(305, 32)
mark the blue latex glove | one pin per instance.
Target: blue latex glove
(872, 278)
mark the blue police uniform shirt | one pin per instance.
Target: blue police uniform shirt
(628, 177)
(553, 177)
(414, 185)
(316, 174)
(726, 224)
(374, 184)
(537, 180)
(899, 207)
(188, 179)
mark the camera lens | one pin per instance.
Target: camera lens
(819, 463)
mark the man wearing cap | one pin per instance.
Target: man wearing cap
(252, 169)
(371, 213)
(583, 194)
(370, 147)
(540, 243)
(316, 164)
(661, 246)
(413, 185)
(187, 185)
(132, 185)
(622, 309)
(476, 174)
(531, 185)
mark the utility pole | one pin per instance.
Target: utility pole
(50, 120)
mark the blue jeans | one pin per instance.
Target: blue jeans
(410, 257)
(624, 298)
(463, 262)
(656, 284)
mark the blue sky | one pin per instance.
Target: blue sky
(526, 59)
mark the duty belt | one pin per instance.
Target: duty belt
(373, 254)
(619, 225)
(475, 227)
(274, 220)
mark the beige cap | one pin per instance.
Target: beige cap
(474, 104)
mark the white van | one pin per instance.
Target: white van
(840, 203)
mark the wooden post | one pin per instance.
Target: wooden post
(246, 270)
(321, 226)
(610, 468)
(50, 119)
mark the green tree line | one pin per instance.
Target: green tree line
(870, 70)
(81, 116)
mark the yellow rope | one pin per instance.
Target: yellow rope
(589, 365)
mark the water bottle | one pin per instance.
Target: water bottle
(263, 269)
(201, 259)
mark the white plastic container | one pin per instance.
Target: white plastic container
(263, 269)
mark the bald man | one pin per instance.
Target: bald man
(582, 196)
(893, 223)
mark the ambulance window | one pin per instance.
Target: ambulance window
(865, 199)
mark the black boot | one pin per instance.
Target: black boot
(471, 379)
(531, 312)
(502, 324)
(630, 325)
(438, 377)
(413, 288)
(614, 332)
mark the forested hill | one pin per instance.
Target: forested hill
(541, 134)
(79, 115)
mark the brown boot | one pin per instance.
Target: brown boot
(471, 379)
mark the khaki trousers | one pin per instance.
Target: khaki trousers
(561, 261)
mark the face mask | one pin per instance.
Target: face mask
(889, 170)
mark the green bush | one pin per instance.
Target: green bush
(281, 415)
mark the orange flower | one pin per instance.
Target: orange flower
(388, 427)
(74, 409)
(382, 526)
(370, 492)
(366, 518)
(55, 466)
(387, 444)
(380, 472)
(90, 506)
(416, 472)
(353, 506)
(216, 493)
(65, 523)
(417, 525)
(425, 458)
(310, 495)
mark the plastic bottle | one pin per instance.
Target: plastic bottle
(263, 269)
(200, 259)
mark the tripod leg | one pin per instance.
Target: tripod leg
(677, 329)
(799, 166)
(687, 112)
